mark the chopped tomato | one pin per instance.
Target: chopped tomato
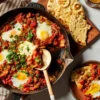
(94, 66)
(19, 18)
(33, 24)
(98, 71)
(28, 15)
(28, 21)
(81, 82)
(59, 61)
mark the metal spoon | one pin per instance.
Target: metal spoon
(47, 60)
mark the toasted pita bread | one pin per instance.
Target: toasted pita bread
(71, 14)
(78, 28)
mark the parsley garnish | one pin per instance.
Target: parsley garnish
(22, 62)
(21, 87)
(15, 75)
(19, 29)
(9, 56)
(30, 36)
(16, 36)
(37, 60)
(28, 49)
(18, 66)
(15, 56)
(12, 56)
(12, 22)
(11, 36)
(37, 75)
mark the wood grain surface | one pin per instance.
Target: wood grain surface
(91, 35)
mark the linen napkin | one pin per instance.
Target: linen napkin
(6, 5)
(12, 4)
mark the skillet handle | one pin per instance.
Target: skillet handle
(13, 96)
(16, 96)
(36, 5)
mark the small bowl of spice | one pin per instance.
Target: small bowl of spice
(93, 3)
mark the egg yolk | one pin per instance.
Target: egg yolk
(13, 32)
(44, 35)
(21, 76)
(1, 57)
(93, 89)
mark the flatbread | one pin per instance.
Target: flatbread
(71, 14)
(63, 3)
(56, 9)
(78, 28)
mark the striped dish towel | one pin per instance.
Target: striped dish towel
(3, 93)
(12, 4)
(5, 6)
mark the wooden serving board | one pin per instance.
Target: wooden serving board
(91, 35)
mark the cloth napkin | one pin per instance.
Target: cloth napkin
(6, 5)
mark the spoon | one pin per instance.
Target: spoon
(47, 60)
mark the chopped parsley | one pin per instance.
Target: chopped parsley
(15, 57)
(18, 66)
(19, 29)
(21, 87)
(12, 56)
(23, 71)
(9, 58)
(22, 61)
(28, 49)
(11, 36)
(23, 56)
(16, 36)
(12, 42)
(12, 22)
(15, 75)
(37, 75)
(37, 59)
(30, 36)
(12, 47)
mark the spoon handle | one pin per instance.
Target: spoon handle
(52, 97)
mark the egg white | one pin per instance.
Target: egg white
(26, 48)
(94, 89)
(17, 30)
(17, 82)
(43, 31)
(18, 26)
(3, 55)
(98, 92)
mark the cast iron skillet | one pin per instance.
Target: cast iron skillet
(64, 53)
